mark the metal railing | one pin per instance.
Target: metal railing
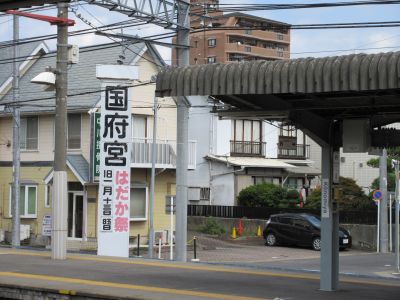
(298, 151)
(263, 213)
(166, 153)
(247, 148)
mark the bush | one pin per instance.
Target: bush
(353, 197)
(212, 227)
(263, 195)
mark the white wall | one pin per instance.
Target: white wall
(270, 136)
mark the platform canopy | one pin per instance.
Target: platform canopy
(310, 92)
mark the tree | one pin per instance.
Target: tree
(353, 197)
(392, 153)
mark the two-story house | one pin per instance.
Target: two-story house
(85, 84)
(233, 153)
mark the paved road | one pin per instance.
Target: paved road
(151, 279)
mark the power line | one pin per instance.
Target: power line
(253, 7)
(12, 103)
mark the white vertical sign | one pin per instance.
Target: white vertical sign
(114, 185)
(325, 195)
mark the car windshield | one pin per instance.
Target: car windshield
(314, 220)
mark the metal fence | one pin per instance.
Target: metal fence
(345, 217)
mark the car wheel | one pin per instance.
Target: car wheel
(270, 239)
(316, 244)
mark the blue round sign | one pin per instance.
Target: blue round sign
(377, 194)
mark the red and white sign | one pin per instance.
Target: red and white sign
(114, 185)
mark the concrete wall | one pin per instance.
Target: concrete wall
(363, 236)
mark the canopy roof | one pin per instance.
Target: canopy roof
(310, 92)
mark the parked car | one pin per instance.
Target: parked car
(299, 229)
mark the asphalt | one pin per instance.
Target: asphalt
(137, 278)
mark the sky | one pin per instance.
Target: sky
(304, 43)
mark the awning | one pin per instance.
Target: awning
(79, 167)
(254, 162)
(306, 170)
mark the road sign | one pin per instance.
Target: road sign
(377, 194)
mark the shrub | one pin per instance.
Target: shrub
(262, 195)
(212, 227)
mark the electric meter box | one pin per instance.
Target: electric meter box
(73, 54)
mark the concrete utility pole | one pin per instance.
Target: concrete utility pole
(153, 180)
(182, 56)
(60, 199)
(15, 240)
(397, 204)
(383, 224)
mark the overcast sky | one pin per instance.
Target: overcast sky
(303, 42)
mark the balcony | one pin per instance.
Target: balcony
(255, 51)
(297, 151)
(166, 153)
(240, 148)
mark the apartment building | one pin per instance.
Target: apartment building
(221, 38)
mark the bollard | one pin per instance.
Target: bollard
(195, 250)
(138, 246)
(159, 249)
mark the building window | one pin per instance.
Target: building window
(263, 179)
(246, 131)
(247, 49)
(27, 201)
(205, 193)
(212, 42)
(280, 36)
(280, 54)
(28, 132)
(139, 128)
(48, 189)
(195, 44)
(138, 209)
(288, 130)
(74, 131)
(211, 60)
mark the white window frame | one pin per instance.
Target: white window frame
(47, 199)
(80, 134)
(38, 136)
(140, 186)
(213, 58)
(212, 42)
(25, 216)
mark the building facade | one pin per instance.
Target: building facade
(233, 154)
(221, 38)
(37, 141)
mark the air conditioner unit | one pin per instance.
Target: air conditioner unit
(194, 194)
(160, 235)
(24, 232)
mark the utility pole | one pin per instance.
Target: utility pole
(152, 180)
(383, 224)
(182, 55)
(15, 240)
(60, 200)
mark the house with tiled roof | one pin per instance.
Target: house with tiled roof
(85, 87)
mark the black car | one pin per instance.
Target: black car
(299, 229)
